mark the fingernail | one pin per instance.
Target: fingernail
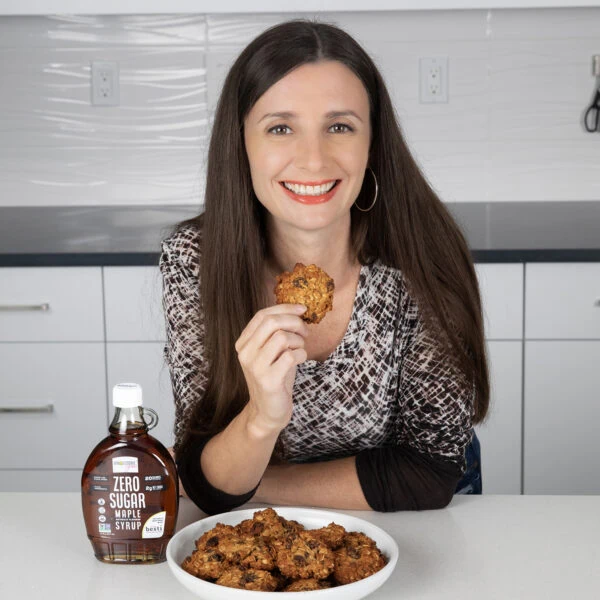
(300, 308)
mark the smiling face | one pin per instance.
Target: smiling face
(307, 139)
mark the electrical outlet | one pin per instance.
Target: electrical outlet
(105, 83)
(433, 79)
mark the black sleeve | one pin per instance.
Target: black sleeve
(203, 494)
(400, 478)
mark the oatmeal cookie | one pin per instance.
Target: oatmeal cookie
(332, 535)
(307, 585)
(269, 525)
(302, 556)
(358, 558)
(307, 285)
(210, 538)
(249, 579)
(206, 564)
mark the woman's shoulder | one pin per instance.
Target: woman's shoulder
(390, 287)
(184, 246)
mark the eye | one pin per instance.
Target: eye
(341, 128)
(280, 129)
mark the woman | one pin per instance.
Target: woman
(373, 407)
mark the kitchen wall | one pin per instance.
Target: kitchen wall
(520, 81)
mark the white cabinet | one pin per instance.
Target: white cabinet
(563, 301)
(562, 357)
(133, 304)
(135, 334)
(52, 375)
(501, 287)
(501, 434)
(56, 395)
(51, 304)
(562, 416)
(105, 326)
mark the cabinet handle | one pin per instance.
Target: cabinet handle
(48, 408)
(15, 307)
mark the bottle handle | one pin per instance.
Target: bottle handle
(152, 420)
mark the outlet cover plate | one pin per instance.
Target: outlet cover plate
(105, 83)
(433, 80)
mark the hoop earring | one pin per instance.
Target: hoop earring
(374, 199)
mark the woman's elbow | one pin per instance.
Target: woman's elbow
(430, 499)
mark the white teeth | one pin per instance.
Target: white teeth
(309, 190)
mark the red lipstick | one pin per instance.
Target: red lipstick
(312, 199)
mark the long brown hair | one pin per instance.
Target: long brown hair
(408, 228)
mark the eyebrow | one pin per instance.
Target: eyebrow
(333, 114)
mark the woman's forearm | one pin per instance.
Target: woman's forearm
(331, 484)
(235, 459)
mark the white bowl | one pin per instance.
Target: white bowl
(182, 545)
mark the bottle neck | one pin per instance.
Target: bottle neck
(128, 421)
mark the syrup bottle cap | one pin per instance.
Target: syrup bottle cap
(127, 395)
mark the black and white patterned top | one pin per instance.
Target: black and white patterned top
(385, 385)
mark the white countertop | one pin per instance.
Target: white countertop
(480, 547)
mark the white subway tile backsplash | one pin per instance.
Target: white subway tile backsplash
(465, 116)
(101, 176)
(46, 98)
(545, 23)
(539, 89)
(538, 170)
(412, 25)
(457, 171)
(100, 31)
(520, 81)
(241, 29)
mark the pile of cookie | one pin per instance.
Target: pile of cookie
(270, 553)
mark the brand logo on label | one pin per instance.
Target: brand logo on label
(125, 464)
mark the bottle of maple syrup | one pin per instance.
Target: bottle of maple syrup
(129, 486)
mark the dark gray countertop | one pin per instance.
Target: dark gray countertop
(131, 235)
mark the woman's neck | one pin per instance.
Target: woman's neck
(330, 250)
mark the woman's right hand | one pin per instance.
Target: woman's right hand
(269, 350)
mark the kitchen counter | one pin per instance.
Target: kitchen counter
(131, 235)
(480, 547)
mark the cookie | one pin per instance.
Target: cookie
(302, 556)
(332, 535)
(307, 285)
(358, 558)
(206, 564)
(249, 579)
(307, 585)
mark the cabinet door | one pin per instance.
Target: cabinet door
(563, 301)
(501, 287)
(51, 304)
(143, 363)
(562, 413)
(500, 435)
(133, 301)
(54, 396)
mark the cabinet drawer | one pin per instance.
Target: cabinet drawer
(563, 301)
(57, 397)
(71, 296)
(133, 301)
(501, 287)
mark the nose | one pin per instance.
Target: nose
(311, 153)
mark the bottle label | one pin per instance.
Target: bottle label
(154, 527)
(128, 505)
